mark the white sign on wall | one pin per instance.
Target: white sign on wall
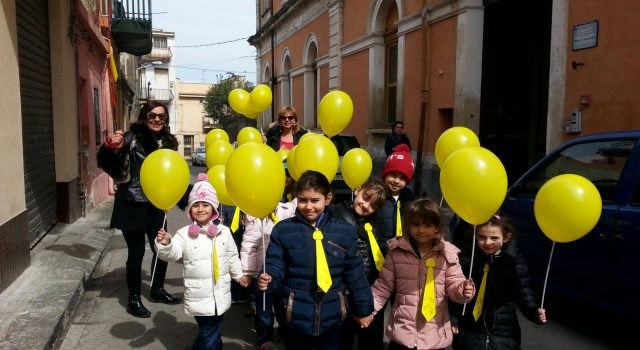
(585, 35)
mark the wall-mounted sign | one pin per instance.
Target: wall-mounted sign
(585, 36)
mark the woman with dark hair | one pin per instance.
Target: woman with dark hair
(398, 136)
(287, 132)
(121, 157)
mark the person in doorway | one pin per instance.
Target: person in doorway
(287, 132)
(121, 157)
(490, 320)
(210, 260)
(398, 136)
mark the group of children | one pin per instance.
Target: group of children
(326, 272)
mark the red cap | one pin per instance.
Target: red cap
(399, 161)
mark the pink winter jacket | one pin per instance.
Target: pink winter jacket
(405, 274)
(251, 249)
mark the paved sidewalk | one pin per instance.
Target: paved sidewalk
(37, 306)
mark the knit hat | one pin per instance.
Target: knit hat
(203, 192)
(399, 161)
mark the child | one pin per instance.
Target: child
(209, 256)
(361, 215)
(312, 259)
(493, 323)
(420, 316)
(252, 256)
(397, 172)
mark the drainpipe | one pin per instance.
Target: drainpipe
(274, 80)
(426, 97)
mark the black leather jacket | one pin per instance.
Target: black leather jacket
(273, 137)
(124, 166)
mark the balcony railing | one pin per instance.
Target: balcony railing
(162, 95)
(158, 54)
(131, 26)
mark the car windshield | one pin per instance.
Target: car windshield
(601, 162)
(344, 143)
(200, 150)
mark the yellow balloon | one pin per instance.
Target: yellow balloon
(334, 112)
(215, 135)
(316, 153)
(249, 134)
(251, 114)
(567, 207)
(474, 183)
(218, 153)
(308, 135)
(283, 153)
(452, 140)
(239, 100)
(217, 180)
(164, 177)
(356, 167)
(260, 98)
(255, 178)
(291, 163)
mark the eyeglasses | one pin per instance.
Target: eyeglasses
(288, 117)
(152, 116)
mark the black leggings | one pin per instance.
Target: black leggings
(136, 246)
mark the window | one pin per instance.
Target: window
(97, 117)
(601, 162)
(160, 41)
(392, 82)
(188, 145)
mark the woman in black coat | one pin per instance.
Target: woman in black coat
(121, 157)
(287, 132)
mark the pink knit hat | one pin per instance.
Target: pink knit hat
(399, 161)
(203, 192)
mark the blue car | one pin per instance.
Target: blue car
(602, 269)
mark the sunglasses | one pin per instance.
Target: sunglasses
(288, 117)
(152, 116)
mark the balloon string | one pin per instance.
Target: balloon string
(546, 276)
(441, 201)
(264, 263)
(473, 253)
(155, 262)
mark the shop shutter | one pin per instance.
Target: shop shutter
(37, 116)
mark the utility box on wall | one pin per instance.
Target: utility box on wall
(574, 124)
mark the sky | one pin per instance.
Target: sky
(204, 22)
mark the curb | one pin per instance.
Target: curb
(38, 306)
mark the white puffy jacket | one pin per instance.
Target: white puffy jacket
(251, 249)
(203, 297)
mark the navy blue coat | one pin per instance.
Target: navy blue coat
(386, 215)
(291, 262)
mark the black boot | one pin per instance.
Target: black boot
(135, 307)
(159, 295)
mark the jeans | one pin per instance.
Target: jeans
(209, 333)
(329, 340)
(264, 319)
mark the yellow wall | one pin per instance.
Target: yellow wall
(12, 169)
(190, 111)
(65, 98)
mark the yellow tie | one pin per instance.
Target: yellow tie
(375, 249)
(477, 309)
(398, 220)
(322, 268)
(429, 296)
(235, 222)
(214, 259)
(274, 218)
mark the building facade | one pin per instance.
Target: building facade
(192, 124)
(520, 73)
(58, 90)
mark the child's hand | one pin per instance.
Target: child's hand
(542, 315)
(163, 237)
(245, 281)
(468, 289)
(365, 321)
(263, 281)
(454, 329)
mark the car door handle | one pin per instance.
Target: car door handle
(618, 237)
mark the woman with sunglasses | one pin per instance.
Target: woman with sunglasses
(121, 157)
(287, 132)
